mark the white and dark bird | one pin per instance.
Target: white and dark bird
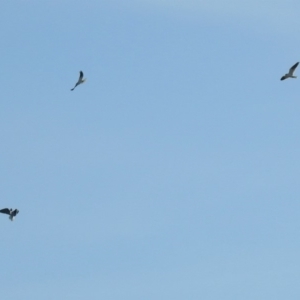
(291, 72)
(80, 80)
(11, 212)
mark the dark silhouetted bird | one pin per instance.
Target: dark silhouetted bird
(80, 80)
(12, 213)
(291, 72)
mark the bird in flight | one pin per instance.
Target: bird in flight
(80, 80)
(291, 72)
(12, 213)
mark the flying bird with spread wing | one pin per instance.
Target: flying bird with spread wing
(291, 72)
(12, 213)
(80, 80)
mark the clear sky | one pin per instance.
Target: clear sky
(172, 173)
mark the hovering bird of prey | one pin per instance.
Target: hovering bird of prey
(80, 80)
(12, 213)
(291, 72)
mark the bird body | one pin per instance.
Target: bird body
(291, 72)
(12, 213)
(80, 80)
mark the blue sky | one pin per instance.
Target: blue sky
(173, 172)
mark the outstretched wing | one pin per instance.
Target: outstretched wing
(74, 87)
(293, 68)
(5, 211)
(80, 75)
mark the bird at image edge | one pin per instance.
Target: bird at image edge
(12, 213)
(291, 72)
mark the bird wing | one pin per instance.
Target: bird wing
(5, 211)
(293, 68)
(80, 76)
(15, 212)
